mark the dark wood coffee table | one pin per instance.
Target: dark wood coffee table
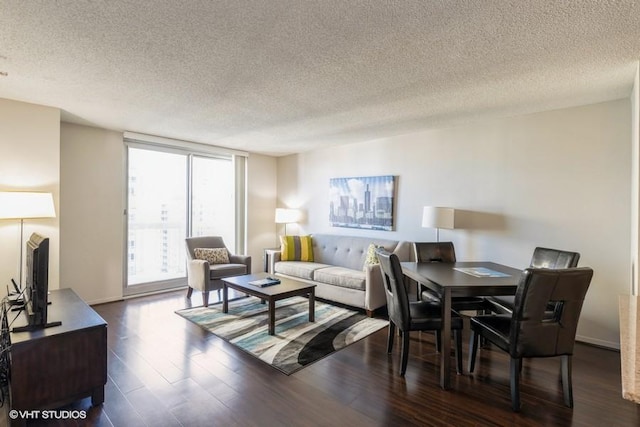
(286, 289)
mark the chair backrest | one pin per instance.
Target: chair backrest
(553, 258)
(397, 298)
(533, 333)
(434, 251)
(203, 242)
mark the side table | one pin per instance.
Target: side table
(268, 253)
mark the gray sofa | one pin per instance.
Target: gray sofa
(339, 271)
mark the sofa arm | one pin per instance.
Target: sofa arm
(198, 274)
(375, 295)
(241, 259)
(274, 256)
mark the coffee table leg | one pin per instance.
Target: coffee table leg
(225, 300)
(272, 317)
(312, 306)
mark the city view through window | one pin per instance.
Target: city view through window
(158, 210)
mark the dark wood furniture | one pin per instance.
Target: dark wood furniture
(447, 282)
(286, 289)
(55, 366)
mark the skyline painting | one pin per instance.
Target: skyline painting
(362, 202)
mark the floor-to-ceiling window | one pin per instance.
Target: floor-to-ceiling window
(213, 199)
(173, 193)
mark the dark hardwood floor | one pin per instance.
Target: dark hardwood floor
(165, 371)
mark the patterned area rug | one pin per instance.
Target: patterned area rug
(297, 342)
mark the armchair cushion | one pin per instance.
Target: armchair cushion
(219, 271)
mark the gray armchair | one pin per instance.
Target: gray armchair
(205, 276)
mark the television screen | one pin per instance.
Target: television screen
(36, 284)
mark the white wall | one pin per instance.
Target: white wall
(261, 206)
(92, 182)
(93, 201)
(559, 179)
(29, 161)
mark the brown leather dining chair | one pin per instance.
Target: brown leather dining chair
(410, 316)
(443, 252)
(542, 258)
(529, 332)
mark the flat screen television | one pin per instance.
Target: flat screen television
(36, 284)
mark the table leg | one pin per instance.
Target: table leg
(445, 336)
(312, 306)
(272, 316)
(225, 300)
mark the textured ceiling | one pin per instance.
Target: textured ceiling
(278, 77)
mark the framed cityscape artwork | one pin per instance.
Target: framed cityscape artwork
(362, 202)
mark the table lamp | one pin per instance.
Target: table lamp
(25, 205)
(287, 216)
(437, 217)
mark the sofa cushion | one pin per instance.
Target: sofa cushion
(301, 269)
(340, 276)
(296, 248)
(212, 255)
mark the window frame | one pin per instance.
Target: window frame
(190, 150)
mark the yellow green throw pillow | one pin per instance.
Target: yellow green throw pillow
(296, 248)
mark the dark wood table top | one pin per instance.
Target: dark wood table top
(65, 306)
(440, 275)
(284, 287)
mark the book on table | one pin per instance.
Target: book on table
(269, 281)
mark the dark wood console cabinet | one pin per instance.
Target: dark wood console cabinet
(55, 366)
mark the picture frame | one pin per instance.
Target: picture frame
(366, 202)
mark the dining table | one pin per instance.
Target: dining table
(460, 279)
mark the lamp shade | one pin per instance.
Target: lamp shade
(436, 217)
(23, 204)
(287, 216)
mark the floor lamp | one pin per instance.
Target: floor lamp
(436, 217)
(25, 205)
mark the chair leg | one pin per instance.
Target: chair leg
(458, 337)
(392, 332)
(567, 389)
(189, 291)
(438, 340)
(405, 352)
(473, 349)
(516, 365)
(205, 298)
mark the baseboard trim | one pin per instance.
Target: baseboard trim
(599, 343)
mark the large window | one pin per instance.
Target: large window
(172, 194)
(213, 199)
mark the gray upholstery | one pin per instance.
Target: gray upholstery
(529, 331)
(206, 277)
(339, 270)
